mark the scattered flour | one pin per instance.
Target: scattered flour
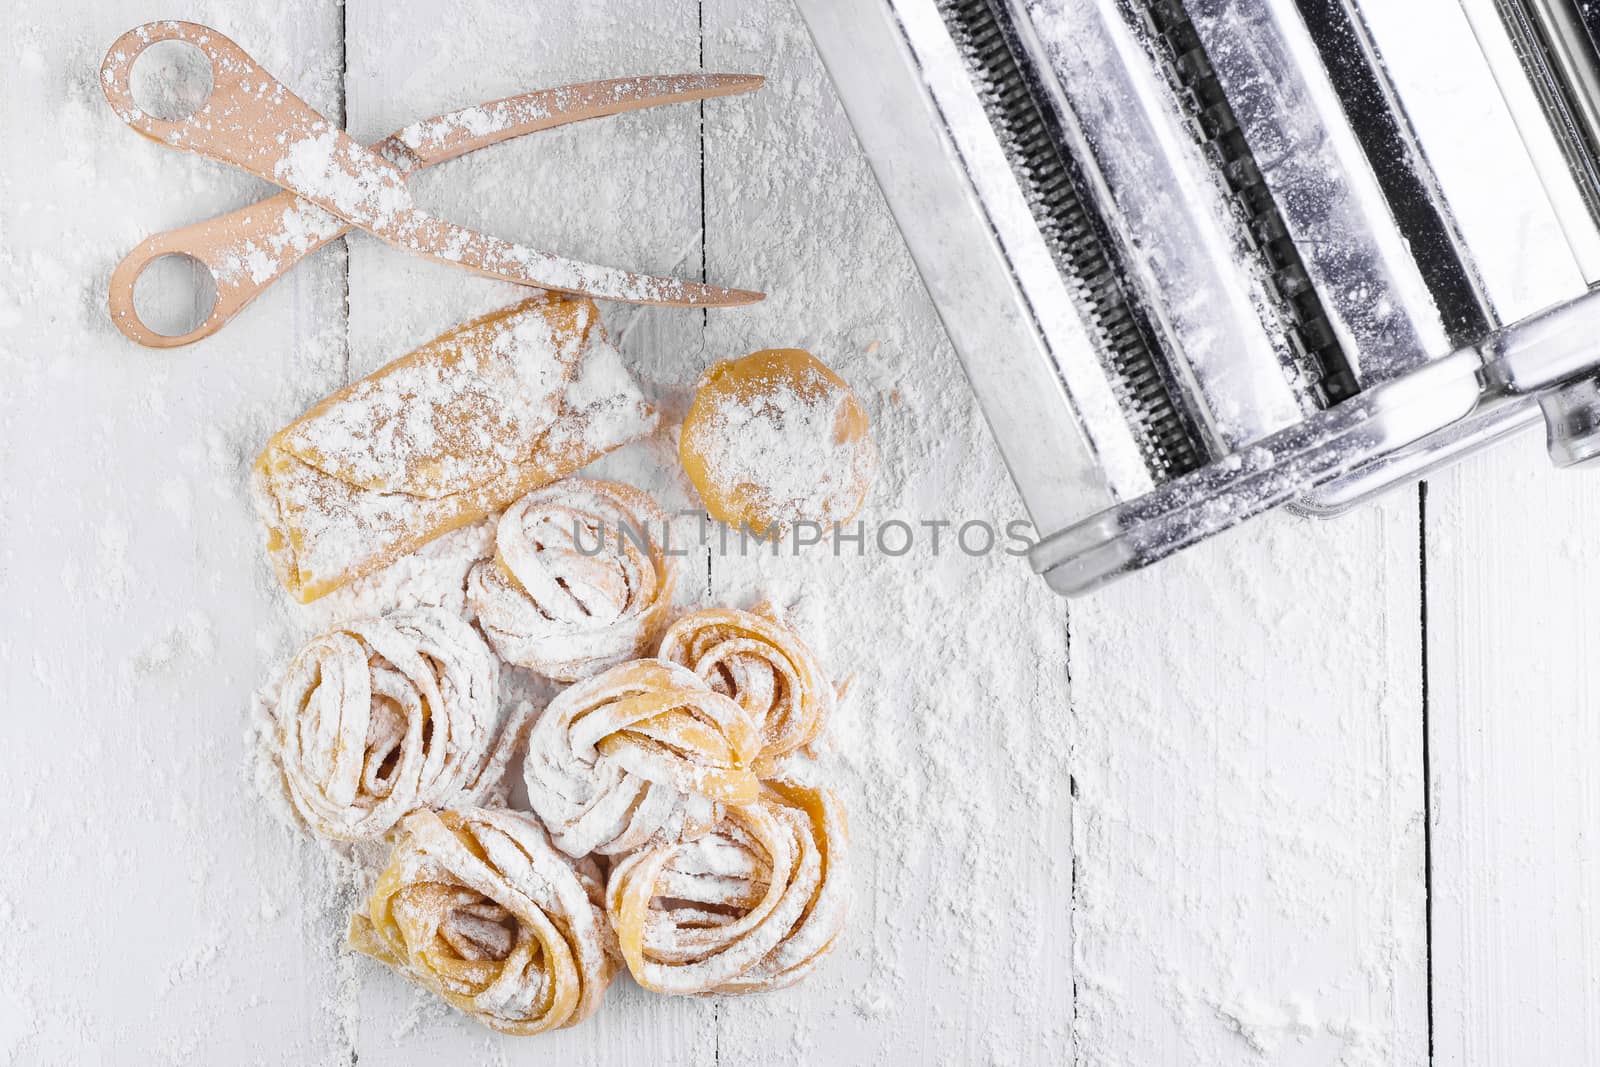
(957, 937)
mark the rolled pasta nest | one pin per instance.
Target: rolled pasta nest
(578, 582)
(644, 752)
(382, 716)
(477, 906)
(750, 906)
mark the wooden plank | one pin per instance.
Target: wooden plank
(150, 910)
(1516, 967)
(1249, 836)
(1249, 811)
(951, 753)
(623, 191)
(1514, 733)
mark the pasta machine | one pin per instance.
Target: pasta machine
(1205, 258)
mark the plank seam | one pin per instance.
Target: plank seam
(705, 329)
(344, 242)
(1427, 767)
(705, 313)
(1072, 845)
(351, 1030)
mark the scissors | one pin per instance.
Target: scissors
(332, 184)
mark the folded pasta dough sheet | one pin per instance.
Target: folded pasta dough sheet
(441, 437)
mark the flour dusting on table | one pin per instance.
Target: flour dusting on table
(950, 751)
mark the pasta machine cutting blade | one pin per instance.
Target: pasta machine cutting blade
(1205, 258)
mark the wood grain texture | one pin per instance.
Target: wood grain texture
(1516, 961)
(1249, 801)
(951, 751)
(624, 190)
(1515, 730)
(148, 911)
(1241, 877)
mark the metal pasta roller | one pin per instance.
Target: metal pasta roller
(1202, 258)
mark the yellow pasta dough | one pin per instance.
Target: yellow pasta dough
(753, 905)
(477, 906)
(644, 752)
(776, 438)
(441, 437)
(579, 580)
(763, 665)
(381, 716)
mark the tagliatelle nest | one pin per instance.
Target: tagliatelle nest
(644, 752)
(750, 906)
(382, 716)
(480, 908)
(578, 582)
(763, 665)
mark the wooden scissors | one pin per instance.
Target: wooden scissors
(332, 183)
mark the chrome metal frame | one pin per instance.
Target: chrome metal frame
(1215, 138)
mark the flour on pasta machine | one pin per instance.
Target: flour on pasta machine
(1205, 258)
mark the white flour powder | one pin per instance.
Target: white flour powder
(128, 531)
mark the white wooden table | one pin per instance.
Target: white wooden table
(1321, 793)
